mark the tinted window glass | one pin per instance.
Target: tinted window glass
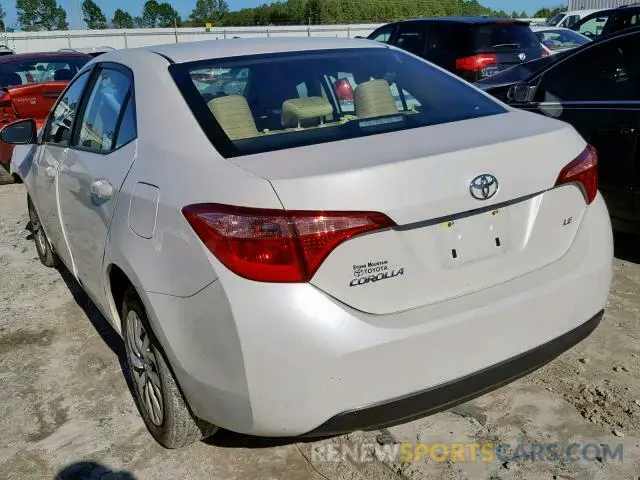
(623, 20)
(448, 40)
(127, 128)
(571, 21)
(38, 70)
(382, 34)
(606, 72)
(61, 120)
(505, 36)
(102, 111)
(349, 93)
(555, 20)
(411, 37)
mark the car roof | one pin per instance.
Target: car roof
(33, 56)
(469, 20)
(212, 49)
(577, 12)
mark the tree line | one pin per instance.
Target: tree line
(48, 15)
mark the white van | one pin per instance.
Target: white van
(568, 19)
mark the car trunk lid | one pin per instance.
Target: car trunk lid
(449, 240)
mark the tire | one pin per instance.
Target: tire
(170, 420)
(5, 176)
(45, 251)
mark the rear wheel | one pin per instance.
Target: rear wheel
(45, 252)
(160, 402)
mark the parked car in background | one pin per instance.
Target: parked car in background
(556, 40)
(91, 51)
(568, 19)
(30, 84)
(595, 88)
(606, 22)
(453, 232)
(471, 47)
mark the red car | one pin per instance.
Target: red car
(30, 83)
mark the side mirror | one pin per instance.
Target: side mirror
(521, 93)
(22, 132)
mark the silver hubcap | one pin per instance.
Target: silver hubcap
(145, 368)
(38, 233)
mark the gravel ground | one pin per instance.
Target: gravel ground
(68, 413)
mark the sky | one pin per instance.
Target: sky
(186, 6)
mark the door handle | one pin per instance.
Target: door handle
(101, 190)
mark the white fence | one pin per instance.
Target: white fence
(25, 42)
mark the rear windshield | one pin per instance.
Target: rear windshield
(505, 36)
(46, 69)
(262, 103)
(561, 39)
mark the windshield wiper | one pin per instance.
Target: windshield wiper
(514, 45)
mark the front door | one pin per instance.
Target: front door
(50, 153)
(93, 171)
(598, 92)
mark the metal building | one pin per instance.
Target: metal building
(597, 4)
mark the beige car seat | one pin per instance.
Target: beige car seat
(374, 99)
(234, 116)
(305, 112)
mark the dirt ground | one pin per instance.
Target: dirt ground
(67, 412)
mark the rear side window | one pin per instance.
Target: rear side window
(412, 37)
(383, 35)
(504, 36)
(623, 20)
(297, 99)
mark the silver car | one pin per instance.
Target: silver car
(278, 265)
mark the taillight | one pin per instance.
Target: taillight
(276, 245)
(476, 62)
(584, 171)
(344, 91)
(7, 113)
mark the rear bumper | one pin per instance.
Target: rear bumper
(288, 359)
(443, 397)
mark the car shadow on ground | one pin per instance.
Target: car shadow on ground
(100, 324)
(223, 438)
(627, 247)
(91, 471)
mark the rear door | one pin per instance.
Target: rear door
(91, 175)
(598, 92)
(510, 43)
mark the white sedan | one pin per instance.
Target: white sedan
(556, 39)
(280, 266)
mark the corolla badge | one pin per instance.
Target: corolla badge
(522, 56)
(483, 187)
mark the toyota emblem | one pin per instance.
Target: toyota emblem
(483, 187)
(522, 56)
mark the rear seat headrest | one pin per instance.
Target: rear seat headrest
(233, 114)
(374, 99)
(300, 112)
